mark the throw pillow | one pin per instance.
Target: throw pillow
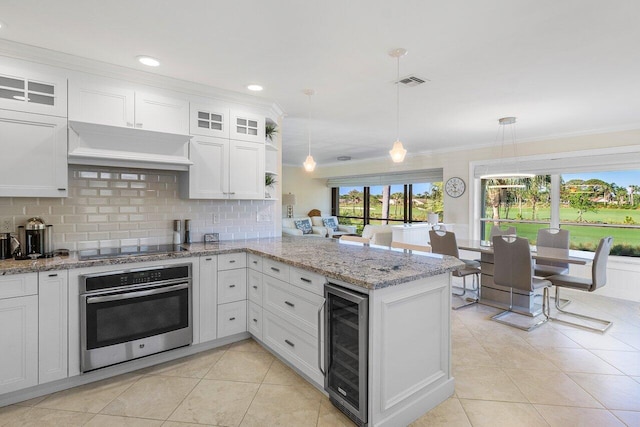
(304, 225)
(330, 223)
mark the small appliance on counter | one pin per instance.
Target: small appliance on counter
(8, 245)
(36, 239)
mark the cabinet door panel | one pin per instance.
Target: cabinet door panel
(246, 170)
(254, 286)
(52, 329)
(19, 338)
(232, 285)
(36, 163)
(232, 318)
(161, 113)
(209, 174)
(246, 127)
(254, 320)
(209, 120)
(101, 101)
(208, 298)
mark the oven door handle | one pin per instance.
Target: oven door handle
(129, 295)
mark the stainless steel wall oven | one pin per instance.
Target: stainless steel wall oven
(346, 351)
(133, 313)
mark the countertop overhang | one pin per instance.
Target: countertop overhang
(363, 266)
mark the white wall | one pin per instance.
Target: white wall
(311, 193)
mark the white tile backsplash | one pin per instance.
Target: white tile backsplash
(110, 207)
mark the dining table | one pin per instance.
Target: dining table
(529, 303)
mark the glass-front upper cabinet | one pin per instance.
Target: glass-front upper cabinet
(247, 127)
(32, 88)
(210, 119)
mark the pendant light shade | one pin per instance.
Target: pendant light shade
(309, 164)
(398, 152)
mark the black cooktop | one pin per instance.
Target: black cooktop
(128, 251)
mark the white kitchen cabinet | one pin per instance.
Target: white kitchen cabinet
(232, 285)
(232, 260)
(254, 320)
(254, 262)
(208, 298)
(254, 286)
(210, 119)
(246, 127)
(32, 88)
(232, 318)
(224, 169)
(35, 155)
(117, 103)
(52, 325)
(19, 334)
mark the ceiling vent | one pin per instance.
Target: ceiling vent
(412, 80)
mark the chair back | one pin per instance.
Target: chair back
(599, 267)
(553, 238)
(513, 266)
(497, 231)
(444, 243)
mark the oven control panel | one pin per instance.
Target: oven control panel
(117, 279)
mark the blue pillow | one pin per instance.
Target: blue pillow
(304, 225)
(330, 223)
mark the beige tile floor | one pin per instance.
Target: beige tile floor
(553, 376)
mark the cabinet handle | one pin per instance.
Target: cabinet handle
(290, 304)
(290, 343)
(255, 320)
(232, 318)
(255, 262)
(232, 261)
(53, 275)
(208, 259)
(277, 270)
(129, 124)
(320, 338)
(233, 192)
(62, 189)
(138, 125)
(232, 286)
(255, 287)
(304, 279)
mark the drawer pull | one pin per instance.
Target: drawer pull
(304, 279)
(53, 275)
(232, 286)
(290, 304)
(255, 287)
(255, 320)
(277, 270)
(255, 262)
(290, 343)
(208, 259)
(232, 319)
(232, 261)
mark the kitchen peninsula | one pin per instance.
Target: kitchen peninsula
(409, 350)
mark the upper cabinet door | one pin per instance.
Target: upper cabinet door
(101, 101)
(246, 170)
(210, 120)
(32, 88)
(246, 127)
(161, 113)
(209, 174)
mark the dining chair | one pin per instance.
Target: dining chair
(497, 231)
(513, 268)
(444, 243)
(598, 279)
(552, 238)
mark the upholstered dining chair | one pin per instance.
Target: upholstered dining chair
(497, 231)
(598, 279)
(444, 243)
(513, 268)
(552, 238)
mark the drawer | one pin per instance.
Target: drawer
(487, 268)
(254, 320)
(294, 345)
(18, 285)
(275, 269)
(312, 282)
(295, 305)
(254, 286)
(234, 260)
(232, 285)
(255, 262)
(232, 318)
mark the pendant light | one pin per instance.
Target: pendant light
(309, 164)
(509, 122)
(398, 152)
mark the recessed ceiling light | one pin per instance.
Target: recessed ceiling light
(149, 61)
(344, 158)
(21, 98)
(2, 25)
(255, 88)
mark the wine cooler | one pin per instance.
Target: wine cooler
(346, 354)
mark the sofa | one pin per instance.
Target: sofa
(320, 221)
(289, 228)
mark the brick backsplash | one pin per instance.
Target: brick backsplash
(109, 207)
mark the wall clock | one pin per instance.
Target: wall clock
(455, 187)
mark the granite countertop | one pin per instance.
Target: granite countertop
(367, 267)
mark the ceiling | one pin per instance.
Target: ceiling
(562, 67)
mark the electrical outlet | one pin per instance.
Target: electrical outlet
(6, 225)
(216, 218)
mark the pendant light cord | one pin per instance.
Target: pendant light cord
(309, 123)
(398, 102)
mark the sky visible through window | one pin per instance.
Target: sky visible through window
(620, 178)
(376, 190)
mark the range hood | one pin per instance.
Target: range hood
(103, 145)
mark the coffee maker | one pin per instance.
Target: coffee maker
(36, 238)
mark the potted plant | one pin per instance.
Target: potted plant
(270, 130)
(269, 181)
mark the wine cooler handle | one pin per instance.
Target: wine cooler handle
(324, 374)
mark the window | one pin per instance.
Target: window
(387, 204)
